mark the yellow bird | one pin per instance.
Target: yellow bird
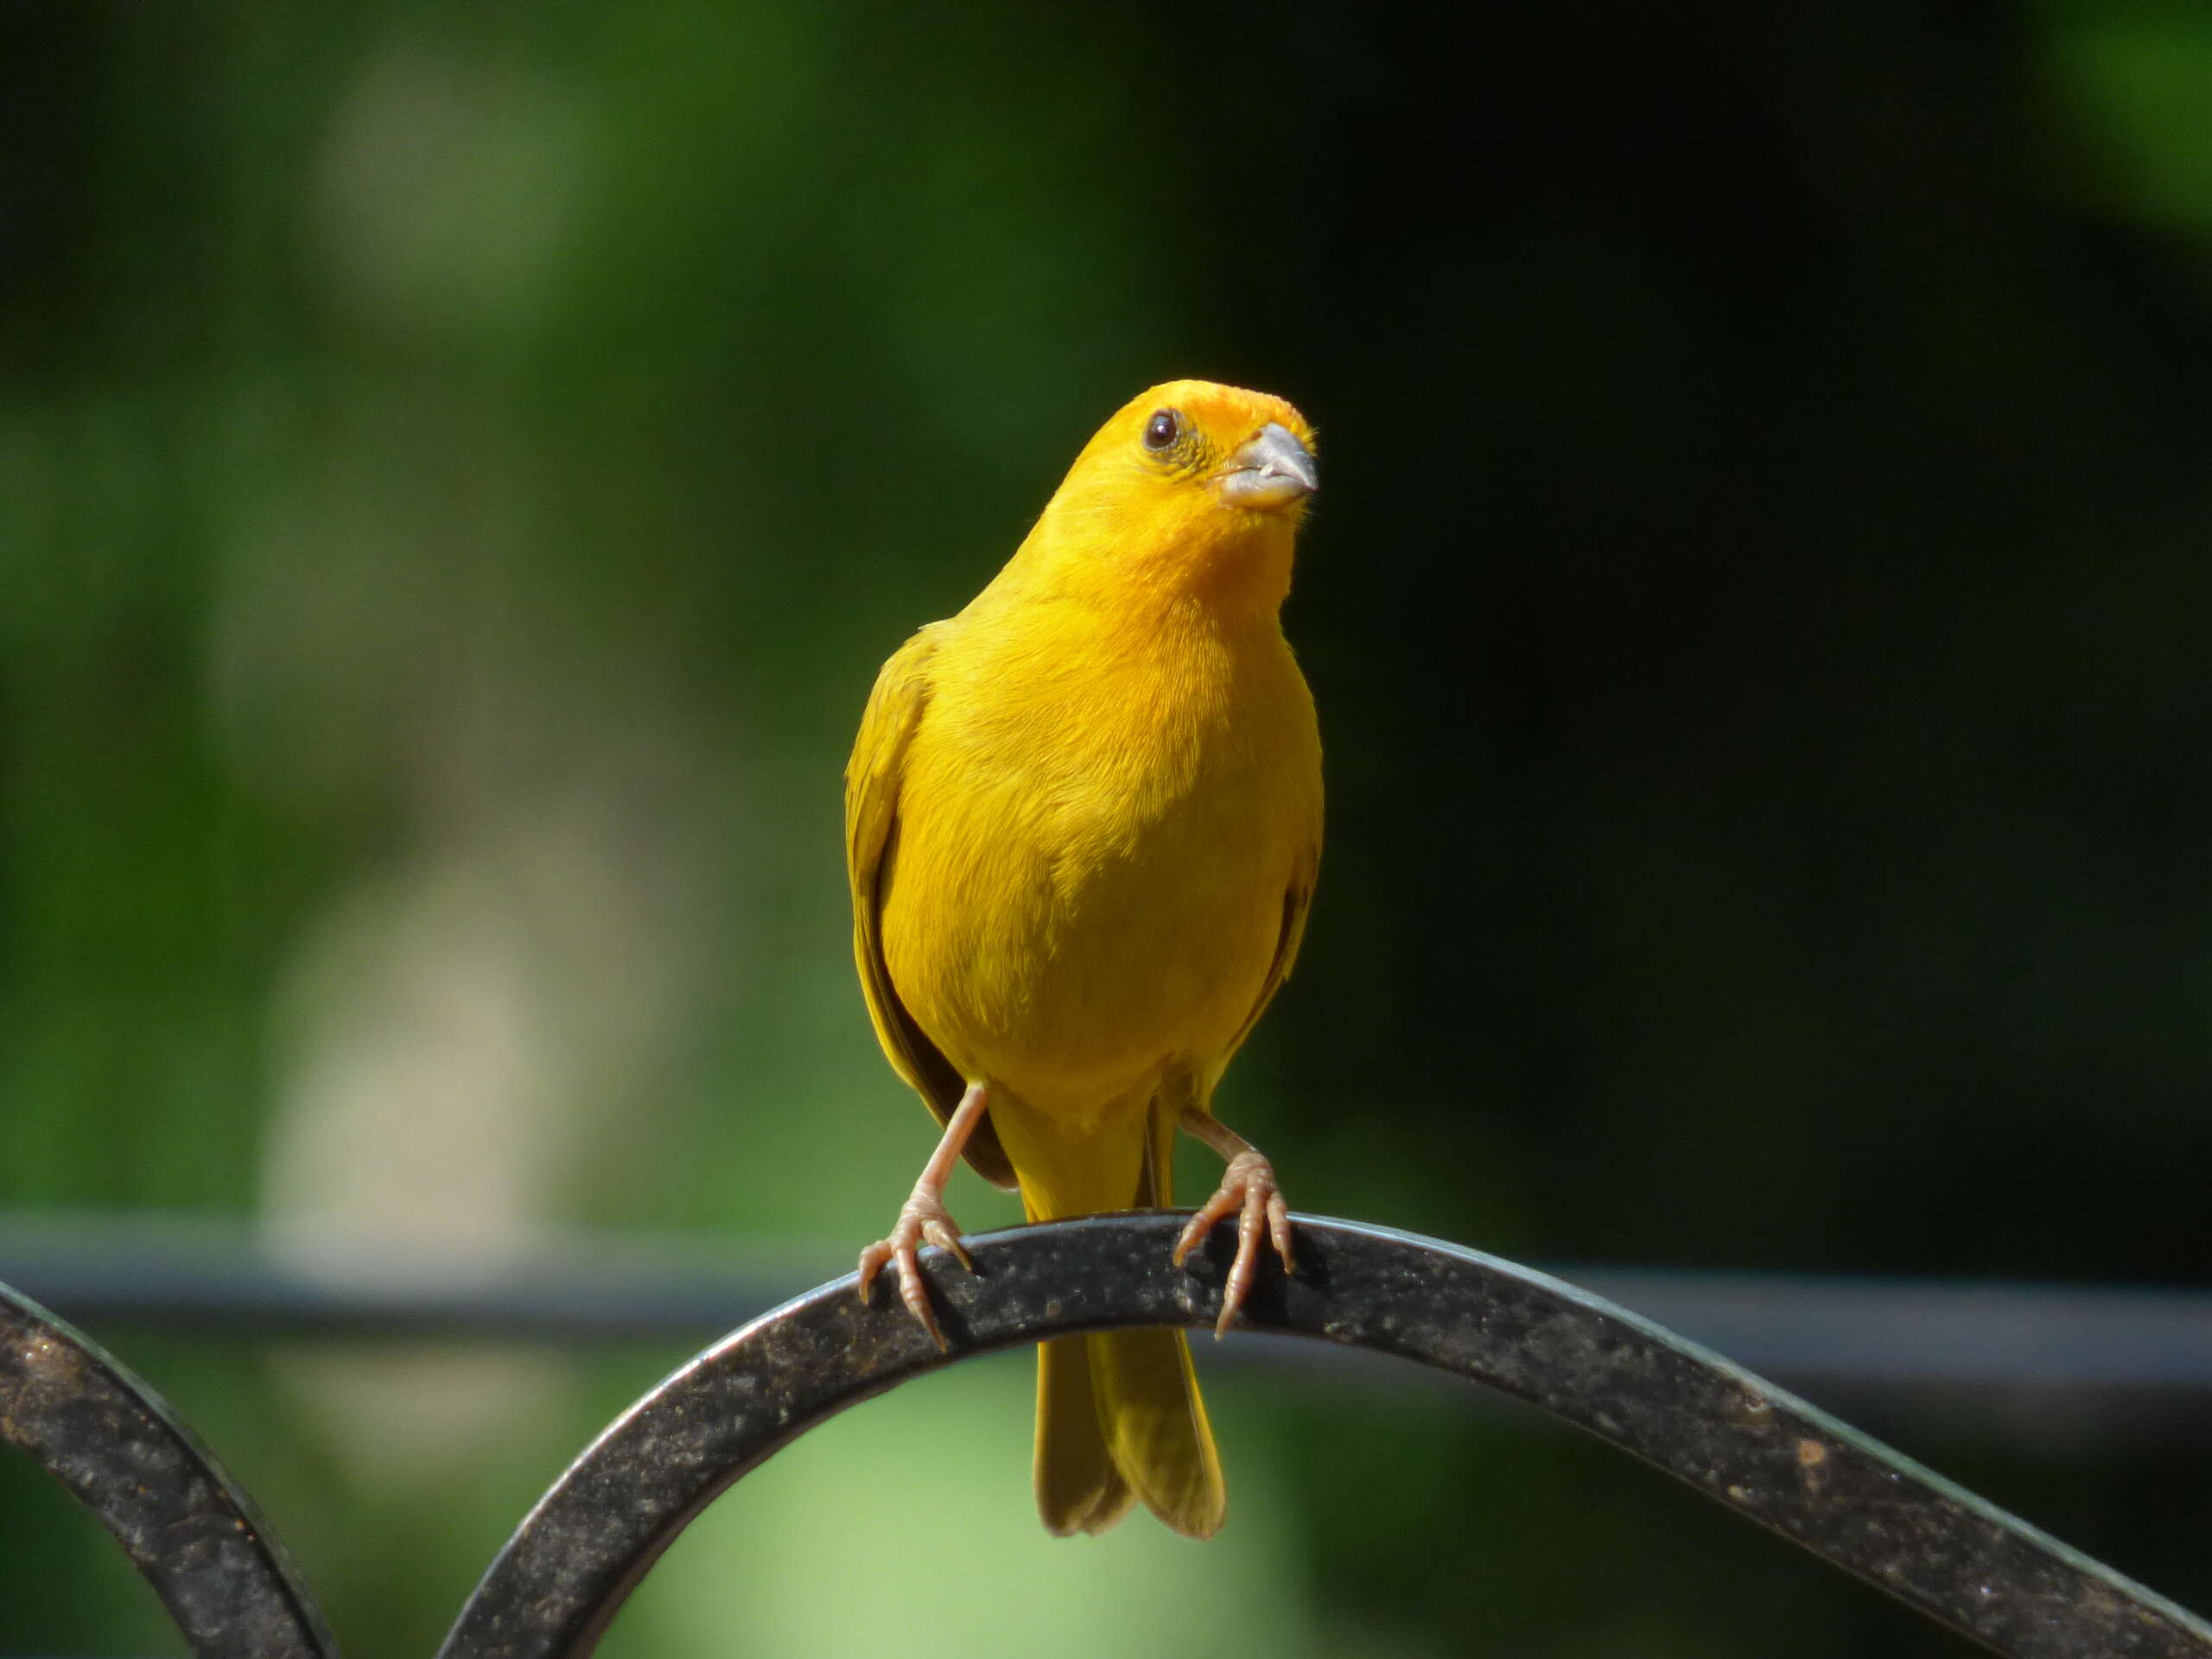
(1083, 823)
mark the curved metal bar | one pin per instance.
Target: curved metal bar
(1737, 1440)
(191, 1533)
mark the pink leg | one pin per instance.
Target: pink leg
(1248, 1190)
(924, 1219)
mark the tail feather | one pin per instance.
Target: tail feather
(1156, 1429)
(1118, 1417)
(1079, 1487)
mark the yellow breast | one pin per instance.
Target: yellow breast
(1100, 817)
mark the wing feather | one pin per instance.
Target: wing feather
(1297, 899)
(872, 779)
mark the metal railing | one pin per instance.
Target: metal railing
(567, 1570)
(2136, 1361)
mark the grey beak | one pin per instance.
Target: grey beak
(1271, 470)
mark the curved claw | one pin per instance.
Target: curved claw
(922, 1219)
(1247, 1188)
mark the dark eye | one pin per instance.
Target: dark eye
(1162, 429)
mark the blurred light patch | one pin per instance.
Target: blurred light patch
(449, 1039)
(421, 1100)
(449, 192)
(905, 1526)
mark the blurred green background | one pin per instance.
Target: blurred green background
(461, 465)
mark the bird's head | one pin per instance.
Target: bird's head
(1192, 487)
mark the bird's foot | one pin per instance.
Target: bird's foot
(922, 1219)
(1248, 1190)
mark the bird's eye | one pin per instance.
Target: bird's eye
(1162, 429)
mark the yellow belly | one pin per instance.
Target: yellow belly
(1092, 886)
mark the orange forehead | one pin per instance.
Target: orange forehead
(1223, 413)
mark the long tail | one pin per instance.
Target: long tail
(1118, 1414)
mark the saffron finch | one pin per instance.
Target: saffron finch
(1083, 825)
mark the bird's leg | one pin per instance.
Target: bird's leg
(1248, 1190)
(924, 1219)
